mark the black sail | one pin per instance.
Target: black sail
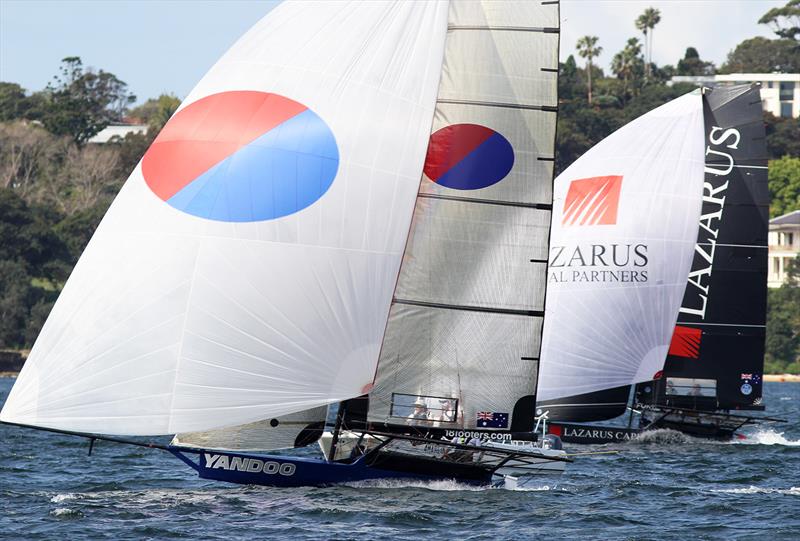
(716, 358)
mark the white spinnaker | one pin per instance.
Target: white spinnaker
(605, 326)
(467, 318)
(173, 323)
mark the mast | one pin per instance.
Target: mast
(716, 358)
(462, 344)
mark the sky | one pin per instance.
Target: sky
(165, 46)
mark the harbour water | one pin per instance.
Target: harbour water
(663, 486)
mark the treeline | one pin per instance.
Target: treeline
(55, 186)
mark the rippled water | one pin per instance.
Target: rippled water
(664, 487)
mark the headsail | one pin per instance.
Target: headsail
(246, 268)
(716, 357)
(624, 228)
(464, 330)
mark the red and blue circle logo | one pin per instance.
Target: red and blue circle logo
(468, 157)
(242, 156)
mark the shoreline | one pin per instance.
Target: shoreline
(782, 378)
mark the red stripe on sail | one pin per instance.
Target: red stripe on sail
(211, 128)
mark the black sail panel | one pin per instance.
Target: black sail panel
(596, 406)
(716, 358)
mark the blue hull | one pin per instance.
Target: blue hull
(290, 471)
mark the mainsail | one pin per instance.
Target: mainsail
(463, 337)
(716, 357)
(624, 229)
(246, 269)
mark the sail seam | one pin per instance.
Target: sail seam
(467, 308)
(537, 206)
(733, 245)
(542, 29)
(183, 340)
(546, 108)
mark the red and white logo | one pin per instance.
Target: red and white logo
(592, 201)
(685, 342)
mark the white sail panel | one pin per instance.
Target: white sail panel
(246, 268)
(294, 430)
(466, 254)
(466, 322)
(624, 227)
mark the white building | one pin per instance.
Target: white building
(117, 130)
(780, 92)
(784, 245)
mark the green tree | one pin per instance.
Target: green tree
(646, 23)
(692, 65)
(784, 185)
(625, 64)
(785, 21)
(783, 136)
(783, 324)
(588, 49)
(762, 55)
(14, 104)
(156, 112)
(83, 102)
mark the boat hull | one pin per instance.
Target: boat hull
(287, 471)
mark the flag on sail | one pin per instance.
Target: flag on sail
(246, 268)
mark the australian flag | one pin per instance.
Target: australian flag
(491, 419)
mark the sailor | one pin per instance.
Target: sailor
(420, 412)
(447, 413)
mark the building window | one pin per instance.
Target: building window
(776, 264)
(786, 91)
(786, 109)
(769, 84)
(789, 239)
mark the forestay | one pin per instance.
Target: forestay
(464, 330)
(624, 229)
(246, 268)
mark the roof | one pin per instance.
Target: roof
(792, 218)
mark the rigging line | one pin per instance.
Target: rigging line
(751, 166)
(542, 29)
(537, 206)
(733, 245)
(91, 436)
(546, 108)
(508, 311)
(721, 324)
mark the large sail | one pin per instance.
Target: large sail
(462, 342)
(246, 268)
(716, 357)
(625, 221)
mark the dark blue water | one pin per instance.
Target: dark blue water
(668, 487)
